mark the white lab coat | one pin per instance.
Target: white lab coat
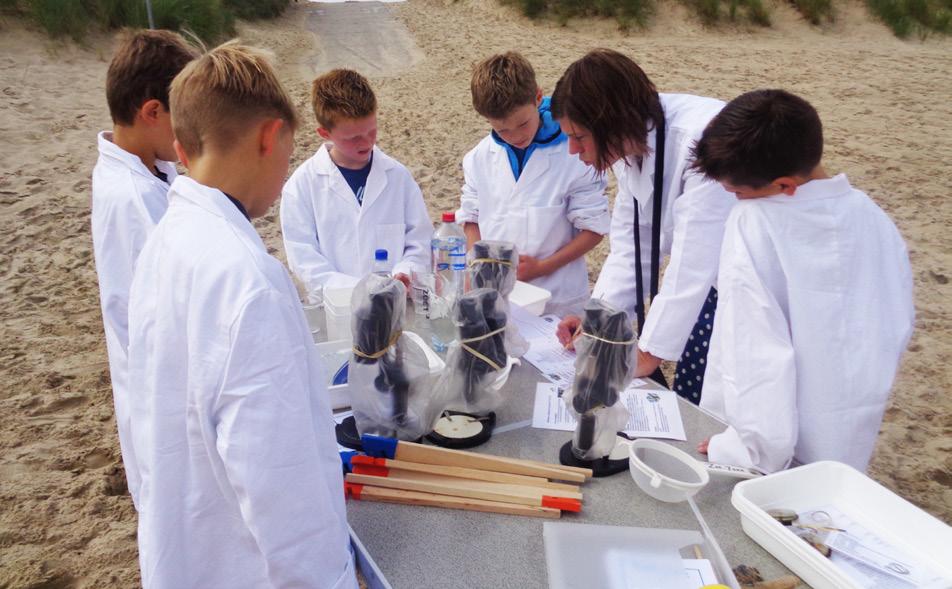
(128, 201)
(693, 212)
(555, 197)
(241, 481)
(814, 310)
(330, 239)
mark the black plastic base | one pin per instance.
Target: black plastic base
(347, 434)
(450, 438)
(601, 467)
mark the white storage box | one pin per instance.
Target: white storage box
(864, 501)
(529, 297)
(586, 556)
(337, 313)
(334, 354)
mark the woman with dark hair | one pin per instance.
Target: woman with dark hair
(615, 118)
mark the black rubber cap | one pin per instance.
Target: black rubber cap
(601, 467)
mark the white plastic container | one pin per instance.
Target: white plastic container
(333, 355)
(665, 472)
(530, 297)
(866, 502)
(337, 313)
(586, 556)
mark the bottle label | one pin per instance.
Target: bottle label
(458, 260)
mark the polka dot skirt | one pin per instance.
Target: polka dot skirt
(689, 374)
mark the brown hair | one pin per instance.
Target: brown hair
(608, 94)
(220, 95)
(142, 68)
(502, 83)
(341, 94)
(761, 136)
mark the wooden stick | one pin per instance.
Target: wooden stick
(409, 475)
(362, 493)
(412, 452)
(463, 473)
(587, 472)
(463, 489)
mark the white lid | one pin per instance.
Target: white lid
(526, 295)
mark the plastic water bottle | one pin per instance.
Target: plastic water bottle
(449, 257)
(381, 265)
(448, 247)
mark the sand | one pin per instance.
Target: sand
(65, 518)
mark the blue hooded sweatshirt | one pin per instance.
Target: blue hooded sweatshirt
(549, 133)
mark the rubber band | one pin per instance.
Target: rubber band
(378, 354)
(463, 345)
(490, 261)
(633, 340)
(484, 336)
(492, 364)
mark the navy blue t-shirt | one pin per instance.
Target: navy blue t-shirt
(357, 179)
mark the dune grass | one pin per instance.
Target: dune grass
(712, 12)
(210, 20)
(815, 11)
(920, 17)
(628, 13)
(638, 12)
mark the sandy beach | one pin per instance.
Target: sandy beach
(65, 517)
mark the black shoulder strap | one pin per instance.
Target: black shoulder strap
(656, 209)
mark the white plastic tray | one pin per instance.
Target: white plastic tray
(588, 556)
(863, 500)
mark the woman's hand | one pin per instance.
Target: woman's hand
(566, 331)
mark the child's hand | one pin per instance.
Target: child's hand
(702, 447)
(566, 331)
(404, 279)
(647, 364)
(530, 268)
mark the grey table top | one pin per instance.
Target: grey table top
(423, 547)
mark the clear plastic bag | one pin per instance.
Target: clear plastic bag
(494, 264)
(477, 365)
(391, 388)
(604, 367)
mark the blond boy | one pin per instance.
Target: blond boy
(130, 185)
(523, 185)
(241, 482)
(350, 198)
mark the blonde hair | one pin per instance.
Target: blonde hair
(341, 94)
(219, 96)
(502, 83)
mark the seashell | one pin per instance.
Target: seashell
(785, 516)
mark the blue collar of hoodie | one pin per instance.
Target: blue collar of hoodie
(549, 133)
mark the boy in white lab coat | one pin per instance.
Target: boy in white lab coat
(523, 185)
(241, 481)
(815, 303)
(130, 185)
(350, 198)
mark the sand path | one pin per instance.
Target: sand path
(363, 36)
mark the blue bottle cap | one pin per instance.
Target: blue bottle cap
(380, 255)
